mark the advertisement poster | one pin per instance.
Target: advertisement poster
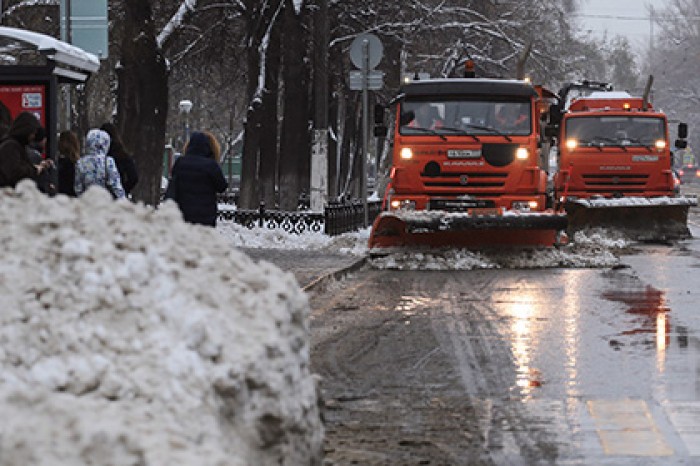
(25, 98)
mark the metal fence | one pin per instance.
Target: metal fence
(337, 217)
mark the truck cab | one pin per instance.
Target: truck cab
(613, 145)
(468, 145)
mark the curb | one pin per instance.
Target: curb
(335, 275)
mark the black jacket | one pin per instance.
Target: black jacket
(66, 176)
(14, 160)
(127, 171)
(196, 179)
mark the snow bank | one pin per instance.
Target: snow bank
(128, 337)
(352, 243)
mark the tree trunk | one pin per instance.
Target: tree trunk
(142, 98)
(294, 144)
(333, 148)
(349, 137)
(259, 18)
(268, 144)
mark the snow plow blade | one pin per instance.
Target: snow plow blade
(438, 229)
(640, 219)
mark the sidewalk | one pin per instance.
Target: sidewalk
(310, 268)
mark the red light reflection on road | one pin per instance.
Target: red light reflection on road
(650, 305)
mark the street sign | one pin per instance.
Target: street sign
(88, 25)
(375, 80)
(375, 50)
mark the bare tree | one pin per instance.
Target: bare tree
(675, 64)
(294, 143)
(143, 96)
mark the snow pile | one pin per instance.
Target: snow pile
(594, 249)
(601, 238)
(128, 337)
(354, 243)
(637, 201)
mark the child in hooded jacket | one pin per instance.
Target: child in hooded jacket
(90, 168)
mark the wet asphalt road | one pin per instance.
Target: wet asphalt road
(508, 367)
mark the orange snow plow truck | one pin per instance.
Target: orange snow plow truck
(615, 165)
(467, 168)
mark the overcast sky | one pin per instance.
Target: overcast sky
(629, 18)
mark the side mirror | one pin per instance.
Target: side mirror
(380, 131)
(378, 114)
(407, 117)
(681, 144)
(682, 130)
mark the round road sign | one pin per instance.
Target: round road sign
(374, 50)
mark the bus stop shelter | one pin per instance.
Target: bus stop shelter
(34, 66)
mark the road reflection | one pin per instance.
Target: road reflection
(649, 304)
(524, 306)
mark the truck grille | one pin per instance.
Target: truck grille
(465, 182)
(629, 183)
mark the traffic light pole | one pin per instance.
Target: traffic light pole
(365, 125)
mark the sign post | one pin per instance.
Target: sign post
(365, 53)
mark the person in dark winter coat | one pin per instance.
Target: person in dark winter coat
(35, 150)
(125, 162)
(68, 155)
(14, 160)
(195, 181)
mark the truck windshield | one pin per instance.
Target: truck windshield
(615, 130)
(466, 117)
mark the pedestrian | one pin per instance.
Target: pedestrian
(68, 155)
(35, 151)
(14, 160)
(125, 162)
(197, 179)
(96, 168)
(5, 120)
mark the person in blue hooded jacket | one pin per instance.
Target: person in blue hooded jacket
(195, 180)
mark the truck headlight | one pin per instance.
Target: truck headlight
(404, 204)
(525, 206)
(407, 153)
(522, 153)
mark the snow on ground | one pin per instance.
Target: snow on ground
(129, 337)
(638, 201)
(590, 252)
(591, 249)
(354, 243)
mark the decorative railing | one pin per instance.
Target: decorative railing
(337, 217)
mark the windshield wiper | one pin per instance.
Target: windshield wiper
(637, 141)
(591, 143)
(612, 142)
(490, 129)
(426, 130)
(461, 132)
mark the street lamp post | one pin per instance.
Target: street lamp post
(185, 107)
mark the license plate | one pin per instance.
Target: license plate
(463, 154)
(492, 211)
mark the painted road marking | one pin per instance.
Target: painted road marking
(626, 428)
(685, 417)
